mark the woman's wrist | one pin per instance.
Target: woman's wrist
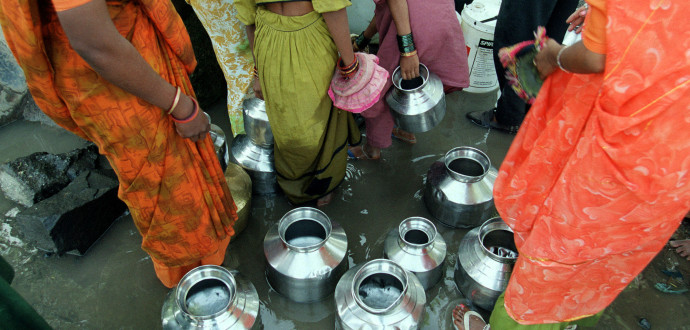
(406, 43)
(184, 109)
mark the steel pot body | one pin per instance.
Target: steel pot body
(257, 161)
(220, 146)
(256, 124)
(459, 188)
(416, 246)
(485, 261)
(305, 255)
(417, 109)
(211, 297)
(379, 294)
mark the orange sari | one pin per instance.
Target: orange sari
(598, 177)
(174, 188)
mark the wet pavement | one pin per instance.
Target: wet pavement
(114, 286)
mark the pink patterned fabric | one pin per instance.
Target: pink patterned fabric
(361, 91)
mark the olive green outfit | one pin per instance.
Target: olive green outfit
(501, 320)
(296, 58)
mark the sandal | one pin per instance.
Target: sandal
(363, 156)
(487, 119)
(467, 314)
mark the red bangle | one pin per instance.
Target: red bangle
(191, 117)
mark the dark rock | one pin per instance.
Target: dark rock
(74, 218)
(28, 180)
(207, 79)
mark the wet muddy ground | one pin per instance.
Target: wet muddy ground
(114, 287)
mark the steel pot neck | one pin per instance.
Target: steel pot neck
(396, 77)
(416, 234)
(255, 108)
(193, 281)
(496, 231)
(467, 164)
(380, 267)
(304, 222)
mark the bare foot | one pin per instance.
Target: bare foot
(404, 136)
(325, 200)
(475, 322)
(365, 152)
(682, 247)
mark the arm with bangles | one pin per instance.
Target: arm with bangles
(94, 37)
(409, 61)
(362, 41)
(339, 28)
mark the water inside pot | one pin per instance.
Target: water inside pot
(207, 297)
(466, 166)
(500, 243)
(380, 290)
(416, 236)
(413, 83)
(305, 233)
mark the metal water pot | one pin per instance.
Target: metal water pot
(416, 246)
(305, 255)
(257, 161)
(220, 146)
(256, 124)
(459, 188)
(420, 108)
(379, 294)
(485, 261)
(211, 297)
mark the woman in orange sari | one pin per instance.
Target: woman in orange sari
(596, 181)
(116, 73)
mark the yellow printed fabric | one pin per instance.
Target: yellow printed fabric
(296, 59)
(219, 18)
(246, 9)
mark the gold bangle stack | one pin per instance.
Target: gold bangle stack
(409, 54)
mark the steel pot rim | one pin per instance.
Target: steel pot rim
(195, 276)
(374, 267)
(417, 223)
(470, 153)
(289, 218)
(495, 223)
(396, 78)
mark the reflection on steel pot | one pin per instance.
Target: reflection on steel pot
(379, 294)
(256, 122)
(417, 108)
(257, 161)
(220, 146)
(459, 188)
(305, 255)
(485, 261)
(417, 247)
(211, 297)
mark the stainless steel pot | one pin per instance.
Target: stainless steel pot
(485, 261)
(257, 161)
(420, 108)
(416, 246)
(220, 146)
(379, 294)
(459, 188)
(256, 122)
(211, 297)
(305, 255)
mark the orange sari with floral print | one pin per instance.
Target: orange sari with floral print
(174, 188)
(598, 177)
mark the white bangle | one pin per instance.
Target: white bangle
(558, 59)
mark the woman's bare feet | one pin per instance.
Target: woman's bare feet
(473, 322)
(682, 247)
(325, 200)
(364, 152)
(404, 136)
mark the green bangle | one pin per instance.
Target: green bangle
(406, 43)
(362, 41)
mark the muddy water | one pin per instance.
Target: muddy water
(114, 287)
